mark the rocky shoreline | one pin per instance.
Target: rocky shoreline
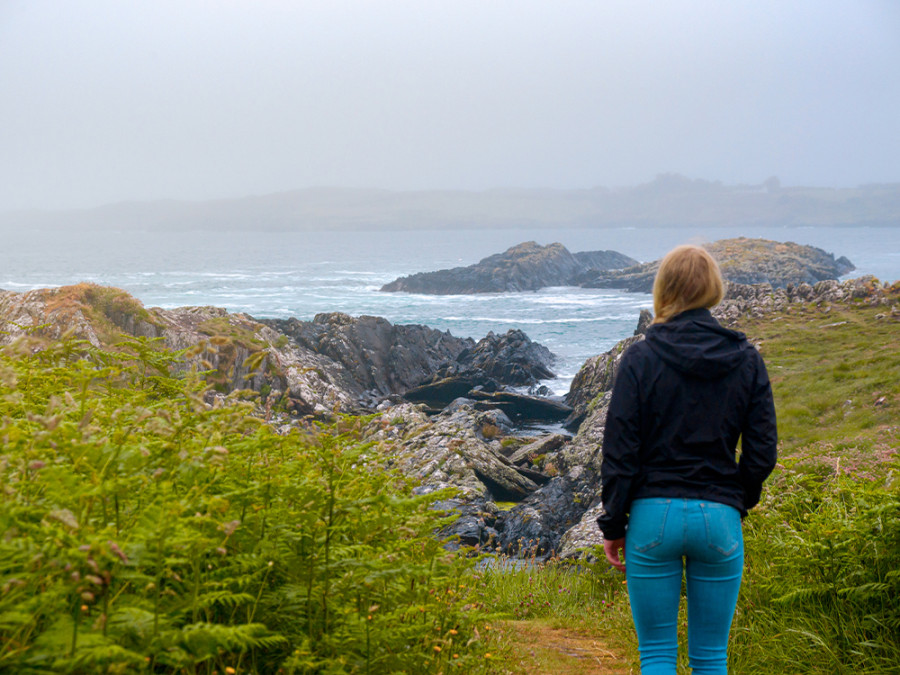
(523, 495)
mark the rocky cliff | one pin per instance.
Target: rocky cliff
(742, 261)
(525, 267)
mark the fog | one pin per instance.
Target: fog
(107, 101)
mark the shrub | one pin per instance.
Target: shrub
(143, 530)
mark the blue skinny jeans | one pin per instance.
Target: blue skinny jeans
(702, 540)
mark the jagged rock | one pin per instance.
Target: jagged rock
(757, 300)
(511, 359)
(742, 261)
(493, 422)
(495, 360)
(378, 355)
(449, 449)
(644, 320)
(525, 267)
(535, 526)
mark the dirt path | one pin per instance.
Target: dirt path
(540, 649)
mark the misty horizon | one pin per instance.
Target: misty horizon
(107, 102)
(768, 183)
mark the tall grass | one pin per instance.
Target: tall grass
(822, 580)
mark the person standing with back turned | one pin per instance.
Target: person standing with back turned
(674, 492)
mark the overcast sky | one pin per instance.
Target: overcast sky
(103, 101)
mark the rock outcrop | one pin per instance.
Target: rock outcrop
(459, 448)
(484, 371)
(742, 261)
(511, 359)
(525, 267)
(380, 357)
(597, 375)
(759, 299)
(333, 363)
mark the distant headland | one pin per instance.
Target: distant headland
(670, 199)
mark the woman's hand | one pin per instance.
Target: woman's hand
(611, 548)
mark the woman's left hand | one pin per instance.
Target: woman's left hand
(611, 548)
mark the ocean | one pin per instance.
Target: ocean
(280, 274)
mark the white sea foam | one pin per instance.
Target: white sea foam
(519, 320)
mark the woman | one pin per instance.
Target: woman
(674, 492)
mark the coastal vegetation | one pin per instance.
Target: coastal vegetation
(151, 521)
(143, 529)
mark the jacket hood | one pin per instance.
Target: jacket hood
(694, 343)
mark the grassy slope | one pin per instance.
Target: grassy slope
(836, 379)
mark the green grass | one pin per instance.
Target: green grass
(836, 387)
(822, 573)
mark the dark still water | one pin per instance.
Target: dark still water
(277, 274)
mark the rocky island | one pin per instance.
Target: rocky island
(530, 267)
(742, 261)
(525, 267)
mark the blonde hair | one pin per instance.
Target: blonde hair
(688, 278)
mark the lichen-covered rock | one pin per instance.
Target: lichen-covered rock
(583, 536)
(742, 261)
(450, 449)
(542, 446)
(757, 300)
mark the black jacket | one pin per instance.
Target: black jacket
(681, 399)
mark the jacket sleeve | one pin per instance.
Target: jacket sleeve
(759, 437)
(621, 448)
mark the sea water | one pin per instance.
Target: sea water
(280, 274)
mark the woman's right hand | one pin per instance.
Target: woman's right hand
(611, 547)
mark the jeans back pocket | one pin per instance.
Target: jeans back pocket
(647, 523)
(723, 527)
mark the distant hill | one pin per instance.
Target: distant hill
(670, 199)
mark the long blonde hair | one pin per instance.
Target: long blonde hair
(688, 278)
